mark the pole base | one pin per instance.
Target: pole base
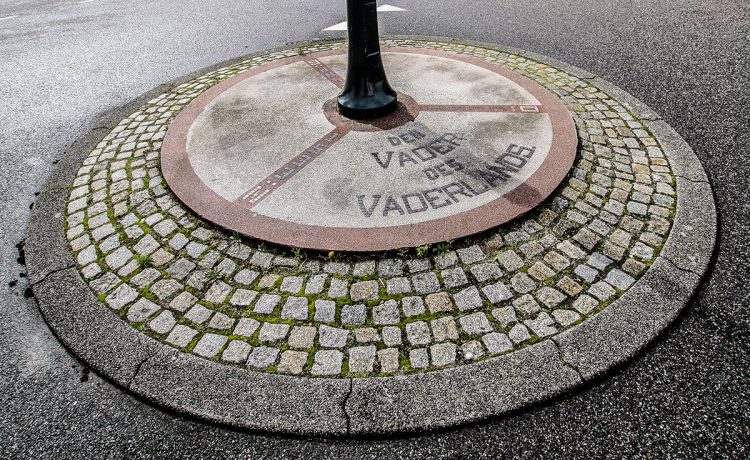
(367, 107)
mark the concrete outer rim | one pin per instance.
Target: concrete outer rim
(341, 407)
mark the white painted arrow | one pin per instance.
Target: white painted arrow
(381, 9)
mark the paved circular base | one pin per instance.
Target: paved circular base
(472, 146)
(232, 330)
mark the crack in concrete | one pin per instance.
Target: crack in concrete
(682, 269)
(344, 404)
(52, 272)
(692, 180)
(138, 370)
(565, 362)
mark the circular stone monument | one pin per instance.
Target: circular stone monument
(266, 153)
(569, 270)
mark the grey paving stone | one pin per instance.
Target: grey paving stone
(218, 292)
(418, 333)
(586, 273)
(239, 251)
(619, 279)
(325, 311)
(418, 265)
(531, 249)
(353, 315)
(142, 310)
(262, 357)
(327, 362)
(443, 354)
(183, 301)
(522, 283)
(220, 322)
(412, 306)
(362, 359)
(446, 260)
(419, 358)
(475, 324)
(118, 258)
(565, 318)
(338, 268)
(209, 345)
(316, 284)
(292, 362)
(302, 337)
(267, 303)
(246, 327)
(243, 297)
(195, 249)
(510, 260)
(332, 337)
(268, 281)
(178, 241)
(364, 268)
(425, 283)
(364, 290)
(246, 276)
(163, 323)
(602, 291)
(292, 284)
(141, 280)
(108, 281)
(454, 277)
(261, 259)
(542, 326)
(471, 255)
(568, 286)
(236, 352)
(146, 245)
(642, 251)
(540, 271)
(497, 293)
(398, 285)
(519, 334)
(121, 296)
(391, 336)
(388, 360)
(366, 335)
(599, 261)
(390, 267)
(472, 350)
(585, 304)
(270, 332)
(505, 316)
(526, 306)
(181, 336)
(571, 250)
(198, 314)
(295, 308)
(468, 299)
(338, 288)
(163, 289)
(444, 329)
(497, 343)
(439, 302)
(550, 297)
(386, 313)
(486, 272)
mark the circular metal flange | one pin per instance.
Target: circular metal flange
(473, 145)
(211, 324)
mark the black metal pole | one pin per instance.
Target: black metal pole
(367, 93)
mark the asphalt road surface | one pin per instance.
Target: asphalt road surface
(62, 63)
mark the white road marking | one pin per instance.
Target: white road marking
(389, 8)
(381, 9)
(339, 26)
(8, 17)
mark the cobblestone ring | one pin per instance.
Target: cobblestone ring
(211, 323)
